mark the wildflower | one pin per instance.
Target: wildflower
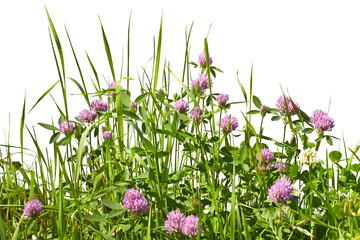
(133, 107)
(202, 60)
(107, 135)
(87, 116)
(321, 121)
(189, 226)
(135, 202)
(66, 128)
(308, 157)
(98, 105)
(281, 191)
(113, 86)
(281, 166)
(196, 114)
(199, 85)
(281, 105)
(182, 106)
(32, 208)
(174, 221)
(225, 124)
(222, 99)
(266, 155)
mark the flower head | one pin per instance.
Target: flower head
(222, 99)
(66, 128)
(107, 135)
(135, 202)
(32, 208)
(133, 107)
(308, 157)
(113, 86)
(321, 121)
(199, 85)
(174, 221)
(195, 115)
(98, 105)
(182, 106)
(87, 116)
(202, 60)
(281, 191)
(266, 155)
(226, 125)
(281, 105)
(281, 166)
(189, 226)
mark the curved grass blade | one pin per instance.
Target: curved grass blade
(22, 123)
(44, 94)
(108, 52)
(157, 62)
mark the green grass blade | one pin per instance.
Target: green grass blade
(44, 94)
(108, 52)
(157, 62)
(22, 123)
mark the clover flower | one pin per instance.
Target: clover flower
(200, 84)
(66, 128)
(107, 135)
(182, 106)
(87, 116)
(133, 107)
(202, 60)
(266, 155)
(32, 208)
(113, 86)
(174, 221)
(189, 226)
(135, 202)
(281, 166)
(222, 99)
(98, 105)
(195, 115)
(321, 121)
(308, 157)
(281, 191)
(225, 123)
(281, 105)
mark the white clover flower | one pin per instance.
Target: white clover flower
(308, 157)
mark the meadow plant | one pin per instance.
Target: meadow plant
(122, 173)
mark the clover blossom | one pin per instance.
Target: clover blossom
(321, 121)
(99, 105)
(281, 166)
(87, 116)
(174, 221)
(202, 60)
(225, 123)
(266, 155)
(281, 105)
(181, 106)
(308, 157)
(133, 107)
(195, 115)
(281, 191)
(222, 99)
(32, 208)
(66, 128)
(113, 86)
(199, 85)
(106, 135)
(135, 202)
(189, 226)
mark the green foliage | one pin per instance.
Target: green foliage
(195, 167)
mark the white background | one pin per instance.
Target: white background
(311, 48)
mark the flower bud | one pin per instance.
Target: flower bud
(133, 107)
(263, 110)
(159, 93)
(176, 96)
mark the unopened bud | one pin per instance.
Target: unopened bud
(176, 97)
(263, 110)
(346, 208)
(133, 107)
(159, 93)
(358, 212)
